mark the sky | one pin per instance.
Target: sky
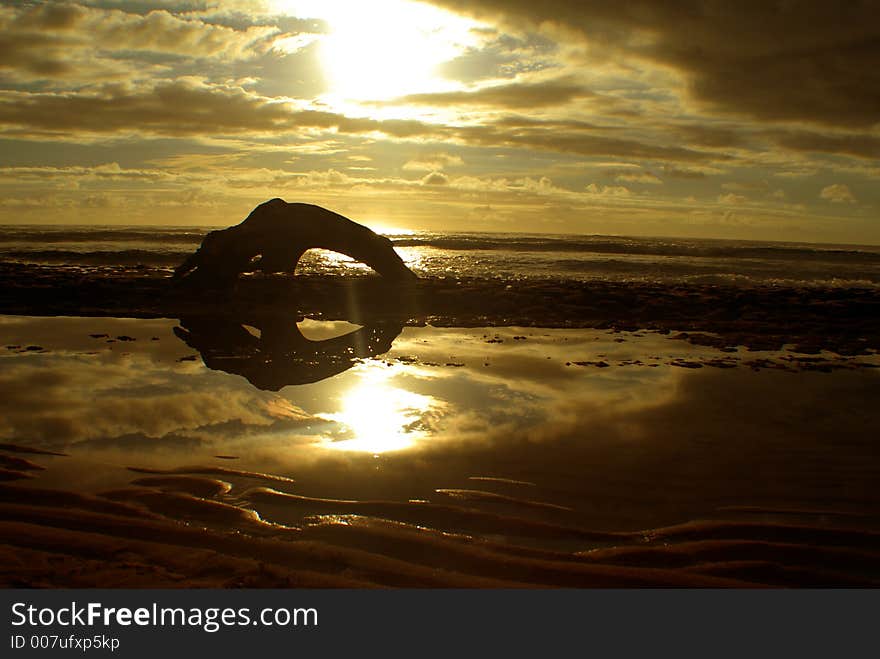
(702, 118)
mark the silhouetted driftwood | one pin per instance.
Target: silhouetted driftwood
(274, 237)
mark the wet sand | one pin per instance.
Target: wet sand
(458, 457)
(844, 320)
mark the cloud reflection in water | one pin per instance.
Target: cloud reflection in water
(624, 446)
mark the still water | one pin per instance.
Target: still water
(574, 428)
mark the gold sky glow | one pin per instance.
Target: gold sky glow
(696, 119)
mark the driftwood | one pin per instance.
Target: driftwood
(275, 236)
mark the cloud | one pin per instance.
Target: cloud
(732, 198)
(608, 190)
(193, 107)
(860, 145)
(746, 186)
(676, 172)
(100, 186)
(515, 95)
(56, 16)
(837, 193)
(577, 138)
(636, 177)
(541, 186)
(77, 42)
(710, 135)
(180, 107)
(108, 171)
(64, 402)
(799, 172)
(435, 178)
(500, 56)
(800, 60)
(432, 162)
(480, 184)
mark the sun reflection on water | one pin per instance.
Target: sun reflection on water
(376, 416)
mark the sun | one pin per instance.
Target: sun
(384, 49)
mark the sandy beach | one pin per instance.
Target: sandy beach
(439, 452)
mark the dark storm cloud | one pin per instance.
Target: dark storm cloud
(810, 60)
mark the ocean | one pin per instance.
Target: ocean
(509, 256)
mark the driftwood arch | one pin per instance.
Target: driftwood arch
(274, 237)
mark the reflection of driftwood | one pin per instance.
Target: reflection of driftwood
(281, 355)
(275, 236)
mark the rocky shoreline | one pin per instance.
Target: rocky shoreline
(845, 321)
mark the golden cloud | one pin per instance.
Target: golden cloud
(837, 194)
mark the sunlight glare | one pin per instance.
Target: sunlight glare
(389, 231)
(381, 417)
(386, 48)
